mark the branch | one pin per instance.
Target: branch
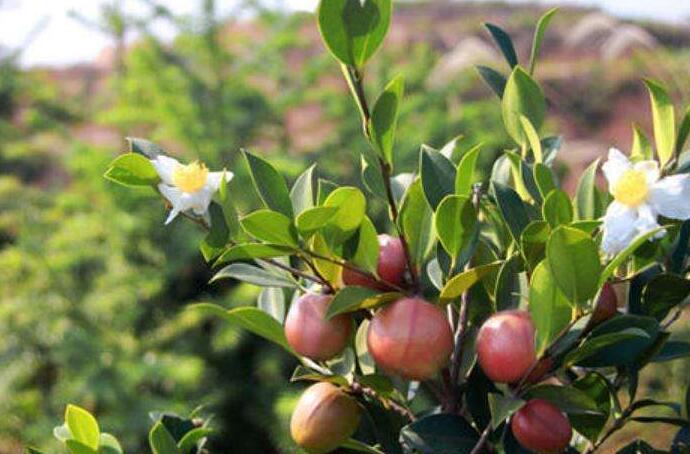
(358, 388)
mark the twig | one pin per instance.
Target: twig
(482, 440)
(358, 388)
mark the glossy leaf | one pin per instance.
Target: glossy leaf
(83, 426)
(683, 132)
(416, 221)
(354, 29)
(272, 301)
(512, 208)
(313, 219)
(366, 254)
(586, 201)
(641, 148)
(456, 224)
(270, 226)
(437, 175)
(303, 192)
(522, 97)
(250, 318)
(253, 275)
(550, 310)
(505, 44)
(353, 298)
(252, 251)
(161, 441)
(532, 139)
(384, 118)
(462, 282)
(351, 205)
(573, 258)
(625, 254)
(663, 293)
(495, 80)
(542, 25)
(269, 184)
(132, 169)
(663, 117)
(192, 438)
(466, 175)
(439, 433)
(595, 386)
(557, 209)
(502, 407)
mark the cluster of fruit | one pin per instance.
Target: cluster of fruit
(412, 339)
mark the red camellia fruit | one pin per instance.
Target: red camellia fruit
(308, 331)
(607, 305)
(410, 338)
(505, 346)
(541, 426)
(324, 418)
(390, 268)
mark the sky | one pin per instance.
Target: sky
(63, 41)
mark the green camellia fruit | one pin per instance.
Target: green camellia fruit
(410, 338)
(391, 265)
(541, 426)
(505, 346)
(310, 334)
(324, 418)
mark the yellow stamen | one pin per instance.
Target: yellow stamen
(631, 189)
(190, 178)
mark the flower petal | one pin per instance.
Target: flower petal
(670, 196)
(650, 169)
(615, 166)
(165, 166)
(199, 201)
(619, 228)
(214, 178)
(646, 219)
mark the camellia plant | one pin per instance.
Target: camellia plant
(489, 314)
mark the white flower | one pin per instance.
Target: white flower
(187, 187)
(639, 197)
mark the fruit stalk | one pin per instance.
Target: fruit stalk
(359, 389)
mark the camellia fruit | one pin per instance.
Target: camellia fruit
(505, 346)
(308, 331)
(324, 418)
(607, 305)
(410, 338)
(541, 426)
(390, 268)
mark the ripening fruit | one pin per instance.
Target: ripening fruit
(542, 368)
(324, 418)
(410, 338)
(390, 268)
(607, 305)
(541, 426)
(308, 331)
(505, 346)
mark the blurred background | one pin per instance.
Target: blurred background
(93, 287)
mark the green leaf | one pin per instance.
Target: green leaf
(549, 308)
(313, 219)
(250, 318)
(502, 407)
(83, 426)
(568, 398)
(683, 132)
(533, 242)
(672, 350)
(232, 222)
(532, 139)
(641, 148)
(663, 117)
(252, 251)
(416, 221)
(596, 387)
(253, 275)
(542, 25)
(353, 298)
(161, 441)
(272, 301)
(456, 224)
(557, 209)
(366, 255)
(303, 191)
(495, 80)
(466, 175)
(439, 434)
(512, 208)
(218, 236)
(32, 450)
(132, 169)
(353, 29)
(462, 282)
(109, 445)
(586, 200)
(351, 205)
(504, 43)
(384, 118)
(191, 438)
(522, 97)
(544, 179)
(573, 258)
(269, 184)
(76, 447)
(270, 226)
(595, 352)
(623, 255)
(507, 293)
(663, 293)
(437, 174)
